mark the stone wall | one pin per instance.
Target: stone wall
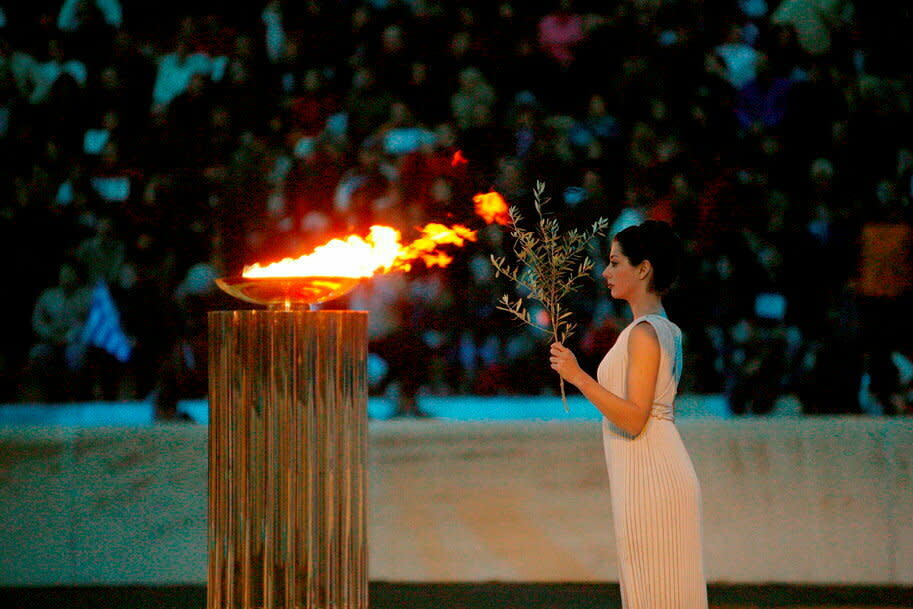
(804, 500)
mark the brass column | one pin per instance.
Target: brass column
(287, 457)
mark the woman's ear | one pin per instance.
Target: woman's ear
(645, 268)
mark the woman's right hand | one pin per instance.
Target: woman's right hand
(564, 362)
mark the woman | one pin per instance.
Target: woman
(656, 497)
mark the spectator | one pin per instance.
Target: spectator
(183, 373)
(762, 102)
(368, 104)
(757, 375)
(72, 13)
(560, 32)
(58, 355)
(102, 254)
(35, 79)
(633, 212)
(815, 21)
(428, 110)
(738, 57)
(275, 32)
(175, 74)
(760, 135)
(473, 92)
(885, 289)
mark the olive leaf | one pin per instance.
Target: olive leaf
(549, 267)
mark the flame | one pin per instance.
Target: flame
(434, 235)
(492, 208)
(380, 252)
(459, 159)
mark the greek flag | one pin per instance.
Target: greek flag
(102, 327)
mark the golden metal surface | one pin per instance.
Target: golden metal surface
(287, 292)
(287, 459)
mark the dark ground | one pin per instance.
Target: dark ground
(385, 595)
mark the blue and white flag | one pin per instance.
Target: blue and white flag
(102, 328)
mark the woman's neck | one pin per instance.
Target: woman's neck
(648, 305)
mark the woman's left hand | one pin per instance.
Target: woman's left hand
(564, 362)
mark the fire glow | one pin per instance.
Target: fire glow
(380, 252)
(458, 159)
(492, 208)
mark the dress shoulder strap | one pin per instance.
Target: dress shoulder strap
(669, 341)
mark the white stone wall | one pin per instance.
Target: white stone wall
(808, 500)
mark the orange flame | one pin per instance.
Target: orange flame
(434, 235)
(459, 159)
(380, 252)
(492, 208)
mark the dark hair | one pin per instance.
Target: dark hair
(653, 240)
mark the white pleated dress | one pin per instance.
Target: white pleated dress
(656, 497)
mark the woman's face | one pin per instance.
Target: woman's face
(621, 277)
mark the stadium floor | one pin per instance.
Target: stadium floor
(386, 595)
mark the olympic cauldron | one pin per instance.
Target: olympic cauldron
(288, 426)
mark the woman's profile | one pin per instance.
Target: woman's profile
(655, 493)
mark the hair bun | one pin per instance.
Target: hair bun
(656, 241)
(657, 229)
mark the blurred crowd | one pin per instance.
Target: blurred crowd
(150, 149)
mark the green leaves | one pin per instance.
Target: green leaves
(549, 267)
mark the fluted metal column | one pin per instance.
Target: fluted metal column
(287, 455)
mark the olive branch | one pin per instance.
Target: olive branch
(549, 268)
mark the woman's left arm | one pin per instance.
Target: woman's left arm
(630, 414)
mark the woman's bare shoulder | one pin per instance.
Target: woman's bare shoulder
(642, 334)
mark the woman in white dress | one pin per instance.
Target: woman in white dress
(656, 497)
